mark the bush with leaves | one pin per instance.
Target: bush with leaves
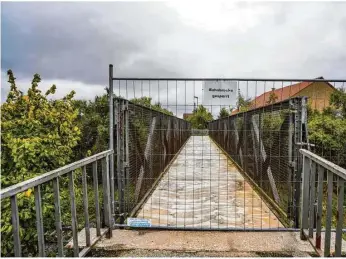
(200, 118)
(223, 113)
(38, 135)
(93, 121)
(243, 104)
(146, 102)
(327, 129)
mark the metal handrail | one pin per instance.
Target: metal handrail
(22, 186)
(338, 170)
(314, 168)
(53, 176)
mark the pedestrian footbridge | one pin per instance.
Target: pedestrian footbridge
(250, 174)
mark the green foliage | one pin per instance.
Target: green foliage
(327, 129)
(200, 118)
(38, 135)
(272, 122)
(93, 120)
(146, 102)
(243, 104)
(223, 113)
(338, 100)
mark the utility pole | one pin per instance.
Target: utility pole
(195, 97)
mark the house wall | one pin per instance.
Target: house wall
(318, 95)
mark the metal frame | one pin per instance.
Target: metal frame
(53, 176)
(312, 165)
(296, 122)
(226, 79)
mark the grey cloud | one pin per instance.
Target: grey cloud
(77, 41)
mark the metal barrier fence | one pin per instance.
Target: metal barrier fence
(147, 141)
(263, 144)
(318, 199)
(39, 185)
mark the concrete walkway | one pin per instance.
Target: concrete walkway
(203, 189)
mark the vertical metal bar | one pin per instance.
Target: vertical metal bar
(319, 206)
(122, 159)
(127, 139)
(73, 214)
(305, 202)
(86, 207)
(312, 199)
(97, 206)
(15, 227)
(39, 221)
(106, 191)
(111, 135)
(119, 164)
(290, 168)
(340, 217)
(296, 106)
(329, 214)
(119, 160)
(58, 226)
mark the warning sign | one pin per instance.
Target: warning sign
(219, 93)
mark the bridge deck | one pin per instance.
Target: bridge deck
(202, 188)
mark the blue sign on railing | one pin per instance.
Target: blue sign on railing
(135, 222)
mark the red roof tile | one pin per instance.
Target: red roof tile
(282, 94)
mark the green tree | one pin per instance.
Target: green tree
(200, 118)
(338, 100)
(146, 102)
(93, 120)
(327, 129)
(223, 113)
(38, 135)
(243, 104)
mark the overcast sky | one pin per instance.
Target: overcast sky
(72, 44)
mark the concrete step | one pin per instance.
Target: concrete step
(148, 243)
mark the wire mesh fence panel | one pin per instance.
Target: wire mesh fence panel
(153, 139)
(188, 161)
(261, 143)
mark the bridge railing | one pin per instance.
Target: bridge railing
(318, 194)
(263, 142)
(146, 140)
(54, 177)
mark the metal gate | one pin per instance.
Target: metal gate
(241, 171)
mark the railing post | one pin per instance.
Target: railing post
(312, 199)
(111, 138)
(73, 214)
(58, 217)
(320, 170)
(340, 217)
(120, 158)
(15, 226)
(304, 222)
(106, 195)
(327, 235)
(39, 222)
(297, 107)
(126, 143)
